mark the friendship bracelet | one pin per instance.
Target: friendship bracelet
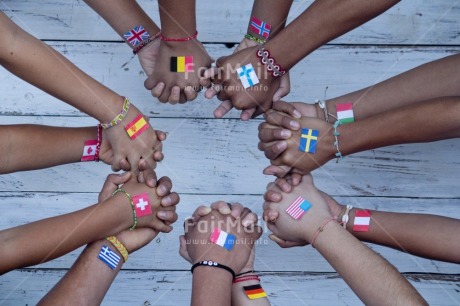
(323, 105)
(345, 216)
(194, 36)
(120, 116)
(132, 206)
(99, 142)
(146, 42)
(336, 142)
(247, 272)
(213, 264)
(253, 38)
(320, 229)
(246, 278)
(119, 246)
(269, 62)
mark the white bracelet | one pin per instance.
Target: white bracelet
(345, 216)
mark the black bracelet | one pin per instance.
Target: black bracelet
(210, 263)
(247, 272)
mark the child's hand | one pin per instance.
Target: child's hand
(148, 57)
(300, 231)
(178, 87)
(259, 97)
(136, 239)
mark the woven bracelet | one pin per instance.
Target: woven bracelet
(120, 116)
(132, 206)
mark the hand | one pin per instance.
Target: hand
(297, 232)
(136, 239)
(284, 155)
(148, 57)
(226, 106)
(199, 248)
(143, 147)
(178, 87)
(224, 76)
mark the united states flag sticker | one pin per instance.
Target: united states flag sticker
(89, 150)
(142, 204)
(223, 239)
(109, 257)
(298, 208)
(362, 221)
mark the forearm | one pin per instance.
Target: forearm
(239, 297)
(439, 78)
(50, 238)
(423, 235)
(320, 23)
(178, 18)
(211, 286)
(370, 276)
(40, 65)
(273, 12)
(51, 146)
(423, 122)
(123, 15)
(87, 281)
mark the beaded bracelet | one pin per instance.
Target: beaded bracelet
(99, 141)
(119, 246)
(194, 36)
(120, 116)
(256, 39)
(269, 62)
(132, 206)
(146, 42)
(321, 228)
(345, 216)
(336, 142)
(213, 264)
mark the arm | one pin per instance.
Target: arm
(370, 276)
(211, 286)
(273, 12)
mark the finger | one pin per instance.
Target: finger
(237, 210)
(116, 163)
(284, 89)
(283, 184)
(124, 165)
(164, 186)
(205, 82)
(284, 243)
(147, 175)
(287, 108)
(247, 114)
(278, 171)
(211, 73)
(170, 200)
(280, 119)
(161, 136)
(158, 156)
(221, 207)
(150, 83)
(175, 95)
(201, 211)
(249, 220)
(273, 149)
(223, 96)
(157, 91)
(273, 133)
(183, 249)
(190, 93)
(223, 109)
(273, 196)
(296, 179)
(167, 216)
(111, 184)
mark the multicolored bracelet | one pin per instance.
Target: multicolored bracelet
(336, 142)
(92, 147)
(270, 63)
(146, 42)
(253, 38)
(194, 36)
(119, 117)
(119, 246)
(132, 206)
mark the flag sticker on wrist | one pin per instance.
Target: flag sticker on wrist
(345, 113)
(362, 220)
(260, 27)
(223, 239)
(136, 127)
(298, 208)
(142, 204)
(109, 257)
(89, 150)
(136, 36)
(181, 63)
(308, 140)
(255, 292)
(247, 75)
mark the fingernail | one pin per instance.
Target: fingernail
(226, 210)
(162, 189)
(281, 145)
(297, 114)
(246, 223)
(285, 133)
(166, 201)
(294, 124)
(161, 214)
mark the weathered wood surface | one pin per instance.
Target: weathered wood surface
(343, 69)
(412, 22)
(36, 206)
(206, 156)
(174, 288)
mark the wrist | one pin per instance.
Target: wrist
(114, 105)
(124, 211)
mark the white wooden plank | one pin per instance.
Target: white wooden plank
(409, 22)
(174, 288)
(205, 156)
(36, 206)
(343, 69)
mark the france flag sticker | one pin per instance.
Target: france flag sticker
(223, 239)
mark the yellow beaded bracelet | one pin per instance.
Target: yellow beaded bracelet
(132, 206)
(119, 246)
